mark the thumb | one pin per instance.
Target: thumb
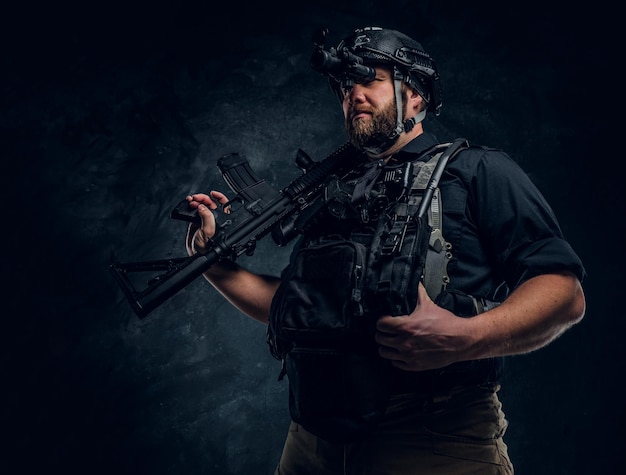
(422, 296)
(208, 220)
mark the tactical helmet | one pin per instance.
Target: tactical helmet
(378, 46)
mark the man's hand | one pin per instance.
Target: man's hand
(199, 235)
(430, 337)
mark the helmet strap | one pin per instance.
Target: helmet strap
(416, 119)
(408, 124)
(397, 86)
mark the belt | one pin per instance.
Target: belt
(462, 374)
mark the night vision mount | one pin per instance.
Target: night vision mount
(338, 63)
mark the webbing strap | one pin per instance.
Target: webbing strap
(439, 250)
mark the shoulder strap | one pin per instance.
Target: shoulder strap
(428, 201)
(449, 152)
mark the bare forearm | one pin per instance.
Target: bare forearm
(251, 293)
(535, 314)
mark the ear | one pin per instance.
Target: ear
(414, 100)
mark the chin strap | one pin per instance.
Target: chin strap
(408, 124)
(416, 119)
(397, 86)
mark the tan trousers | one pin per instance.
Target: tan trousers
(458, 432)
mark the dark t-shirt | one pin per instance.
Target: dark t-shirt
(501, 228)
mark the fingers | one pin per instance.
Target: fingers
(220, 197)
(389, 323)
(212, 200)
(198, 235)
(207, 218)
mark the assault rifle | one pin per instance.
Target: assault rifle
(256, 210)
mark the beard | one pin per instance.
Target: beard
(373, 133)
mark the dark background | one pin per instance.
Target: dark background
(111, 113)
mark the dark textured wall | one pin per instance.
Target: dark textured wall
(111, 113)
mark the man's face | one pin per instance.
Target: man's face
(370, 109)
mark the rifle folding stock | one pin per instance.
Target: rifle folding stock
(256, 210)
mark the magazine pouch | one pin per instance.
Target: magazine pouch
(396, 266)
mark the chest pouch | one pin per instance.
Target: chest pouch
(319, 299)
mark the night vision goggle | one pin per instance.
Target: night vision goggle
(339, 63)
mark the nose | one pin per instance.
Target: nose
(355, 94)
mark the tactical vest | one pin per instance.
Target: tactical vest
(362, 258)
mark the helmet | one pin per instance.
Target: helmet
(373, 46)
